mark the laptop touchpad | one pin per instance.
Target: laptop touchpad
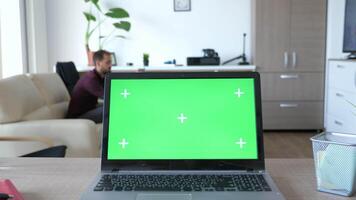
(163, 196)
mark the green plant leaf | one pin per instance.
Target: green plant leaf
(96, 4)
(117, 13)
(123, 25)
(146, 56)
(89, 16)
(91, 32)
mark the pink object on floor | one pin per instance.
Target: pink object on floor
(7, 187)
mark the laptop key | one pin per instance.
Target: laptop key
(108, 188)
(118, 188)
(264, 183)
(268, 189)
(172, 189)
(197, 189)
(128, 188)
(152, 189)
(98, 189)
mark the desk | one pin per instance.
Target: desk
(66, 179)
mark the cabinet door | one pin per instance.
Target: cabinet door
(342, 75)
(308, 25)
(297, 115)
(341, 104)
(339, 125)
(272, 33)
(292, 86)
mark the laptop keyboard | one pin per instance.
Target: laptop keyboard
(177, 183)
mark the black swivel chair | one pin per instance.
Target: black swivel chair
(53, 152)
(69, 74)
(58, 151)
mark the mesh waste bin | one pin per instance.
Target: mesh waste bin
(335, 163)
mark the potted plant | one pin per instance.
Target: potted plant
(146, 59)
(96, 17)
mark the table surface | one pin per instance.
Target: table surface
(66, 179)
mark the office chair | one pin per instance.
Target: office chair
(69, 74)
(53, 152)
(58, 151)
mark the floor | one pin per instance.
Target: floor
(288, 144)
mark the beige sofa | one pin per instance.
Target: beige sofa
(32, 111)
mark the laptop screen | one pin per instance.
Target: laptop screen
(187, 118)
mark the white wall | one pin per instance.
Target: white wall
(13, 45)
(156, 29)
(37, 36)
(65, 31)
(335, 32)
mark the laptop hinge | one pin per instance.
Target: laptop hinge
(250, 170)
(259, 171)
(106, 171)
(115, 170)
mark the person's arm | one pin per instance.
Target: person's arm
(95, 88)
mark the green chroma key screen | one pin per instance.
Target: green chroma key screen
(154, 119)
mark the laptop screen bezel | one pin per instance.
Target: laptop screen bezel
(217, 164)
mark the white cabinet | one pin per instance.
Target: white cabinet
(340, 96)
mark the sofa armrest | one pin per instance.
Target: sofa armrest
(49, 142)
(12, 146)
(79, 135)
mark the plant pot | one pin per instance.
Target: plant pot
(90, 55)
(145, 63)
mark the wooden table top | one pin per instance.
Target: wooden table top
(66, 179)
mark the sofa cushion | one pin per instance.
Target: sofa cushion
(20, 100)
(54, 93)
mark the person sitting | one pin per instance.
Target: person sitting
(90, 87)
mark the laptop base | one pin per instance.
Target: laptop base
(274, 194)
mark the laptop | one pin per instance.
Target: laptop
(182, 136)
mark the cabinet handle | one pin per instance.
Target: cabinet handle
(340, 66)
(289, 105)
(294, 60)
(289, 76)
(286, 60)
(339, 95)
(338, 123)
